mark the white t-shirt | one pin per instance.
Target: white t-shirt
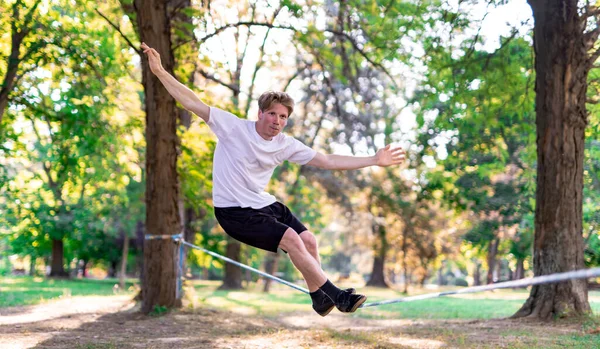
(244, 161)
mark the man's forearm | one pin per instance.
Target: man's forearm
(188, 99)
(343, 162)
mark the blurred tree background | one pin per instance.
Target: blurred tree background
(451, 82)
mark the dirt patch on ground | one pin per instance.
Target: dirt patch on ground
(114, 322)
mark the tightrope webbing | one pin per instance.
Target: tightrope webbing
(162, 237)
(301, 289)
(177, 238)
(544, 279)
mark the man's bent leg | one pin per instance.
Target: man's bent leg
(303, 260)
(314, 276)
(310, 242)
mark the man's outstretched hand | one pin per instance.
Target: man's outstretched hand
(389, 156)
(153, 59)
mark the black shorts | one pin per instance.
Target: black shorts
(262, 228)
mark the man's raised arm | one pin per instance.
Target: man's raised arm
(386, 156)
(188, 99)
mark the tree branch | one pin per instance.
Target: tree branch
(591, 11)
(213, 78)
(347, 36)
(118, 29)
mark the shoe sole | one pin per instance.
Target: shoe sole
(327, 312)
(358, 304)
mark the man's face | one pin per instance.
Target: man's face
(272, 121)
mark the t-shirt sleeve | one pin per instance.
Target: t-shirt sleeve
(222, 122)
(299, 153)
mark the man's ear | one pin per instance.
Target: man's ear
(260, 114)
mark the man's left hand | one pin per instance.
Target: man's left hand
(389, 156)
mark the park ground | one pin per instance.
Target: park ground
(36, 313)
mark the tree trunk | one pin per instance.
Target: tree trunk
(491, 260)
(477, 274)
(440, 276)
(233, 273)
(57, 268)
(404, 251)
(377, 274)
(162, 191)
(32, 261)
(271, 267)
(183, 22)
(124, 261)
(520, 270)
(562, 66)
(112, 271)
(84, 269)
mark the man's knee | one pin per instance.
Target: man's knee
(309, 240)
(290, 241)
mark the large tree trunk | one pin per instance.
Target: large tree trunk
(377, 274)
(561, 72)
(57, 268)
(233, 273)
(162, 190)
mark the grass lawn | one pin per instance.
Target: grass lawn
(459, 321)
(29, 290)
(485, 305)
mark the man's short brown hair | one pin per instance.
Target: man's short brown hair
(267, 99)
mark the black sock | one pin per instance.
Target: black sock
(330, 290)
(317, 296)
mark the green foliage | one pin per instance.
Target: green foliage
(159, 310)
(72, 188)
(472, 107)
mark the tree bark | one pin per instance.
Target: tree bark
(561, 64)
(57, 266)
(84, 269)
(112, 271)
(477, 275)
(162, 189)
(404, 251)
(124, 255)
(491, 260)
(233, 273)
(32, 261)
(271, 266)
(520, 270)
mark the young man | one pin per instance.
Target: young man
(247, 153)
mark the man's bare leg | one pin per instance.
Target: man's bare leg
(304, 261)
(315, 277)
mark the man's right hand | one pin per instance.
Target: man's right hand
(153, 59)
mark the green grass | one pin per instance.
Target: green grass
(487, 305)
(29, 290)
(282, 300)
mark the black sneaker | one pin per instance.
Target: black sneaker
(347, 302)
(325, 305)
